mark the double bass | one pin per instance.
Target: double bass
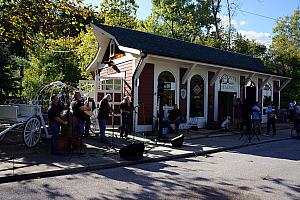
(69, 138)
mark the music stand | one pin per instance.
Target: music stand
(113, 131)
(250, 131)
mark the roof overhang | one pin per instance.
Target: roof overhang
(218, 66)
(103, 39)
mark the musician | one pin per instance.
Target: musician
(103, 115)
(55, 122)
(78, 108)
(125, 114)
(175, 117)
(87, 124)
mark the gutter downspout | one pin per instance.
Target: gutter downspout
(134, 82)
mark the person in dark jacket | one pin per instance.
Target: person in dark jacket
(90, 103)
(125, 114)
(54, 123)
(79, 109)
(103, 115)
(175, 117)
(271, 112)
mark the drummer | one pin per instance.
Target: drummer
(55, 122)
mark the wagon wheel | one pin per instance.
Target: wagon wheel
(32, 132)
(94, 122)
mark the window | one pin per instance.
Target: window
(166, 88)
(112, 48)
(197, 96)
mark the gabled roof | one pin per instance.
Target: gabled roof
(163, 46)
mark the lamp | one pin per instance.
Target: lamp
(221, 81)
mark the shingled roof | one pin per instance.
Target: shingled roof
(163, 46)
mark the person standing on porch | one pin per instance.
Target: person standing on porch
(292, 105)
(271, 119)
(125, 114)
(103, 115)
(175, 117)
(237, 112)
(256, 118)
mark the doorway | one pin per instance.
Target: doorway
(226, 105)
(250, 95)
(166, 90)
(250, 100)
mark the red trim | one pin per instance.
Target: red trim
(211, 98)
(183, 102)
(145, 99)
(242, 88)
(260, 86)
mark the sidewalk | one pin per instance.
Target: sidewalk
(20, 163)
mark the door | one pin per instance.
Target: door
(226, 105)
(114, 87)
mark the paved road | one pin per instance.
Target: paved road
(266, 171)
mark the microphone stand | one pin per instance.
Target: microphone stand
(133, 122)
(113, 131)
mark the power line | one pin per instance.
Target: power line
(258, 15)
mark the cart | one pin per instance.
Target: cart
(25, 117)
(29, 117)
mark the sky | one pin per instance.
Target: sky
(254, 19)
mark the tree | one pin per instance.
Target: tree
(9, 84)
(86, 51)
(119, 13)
(22, 19)
(216, 7)
(285, 51)
(245, 46)
(32, 27)
(185, 19)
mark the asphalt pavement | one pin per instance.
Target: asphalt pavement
(18, 162)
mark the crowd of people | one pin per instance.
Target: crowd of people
(82, 109)
(294, 114)
(251, 116)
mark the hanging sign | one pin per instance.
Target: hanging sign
(228, 83)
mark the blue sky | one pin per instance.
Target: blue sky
(251, 25)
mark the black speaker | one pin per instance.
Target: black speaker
(132, 151)
(177, 141)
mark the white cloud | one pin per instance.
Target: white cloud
(242, 23)
(264, 38)
(236, 24)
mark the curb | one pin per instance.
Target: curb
(45, 174)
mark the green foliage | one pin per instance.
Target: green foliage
(64, 59)
(22, 19)
(185, 19)
(9, 70)
(43, 36)
(285, 51)
(119, 13)
(248, 47)
(86, 51)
